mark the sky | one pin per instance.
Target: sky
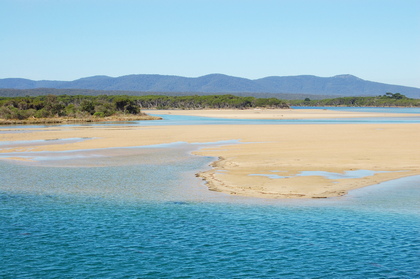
(376, 40)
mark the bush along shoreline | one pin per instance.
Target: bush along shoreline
(67, 109)
(80, 108)
(68, 120)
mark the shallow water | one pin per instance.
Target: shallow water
(415, 110)
(198, 120)
(329, 175)
(141, 213)
(168, 119)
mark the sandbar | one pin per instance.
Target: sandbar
(278, 113)
(393, 150)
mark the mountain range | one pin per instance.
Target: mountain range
(340, 85)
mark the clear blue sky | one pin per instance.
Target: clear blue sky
(377, 40)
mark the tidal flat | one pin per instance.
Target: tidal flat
(389, 150)
(124, 201)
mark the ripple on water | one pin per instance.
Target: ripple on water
(141, 217)
(51, 236)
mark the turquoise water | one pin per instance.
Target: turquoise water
(64, 236)
(141, 213)
(197, 120)
(415, 110)
(189, 120)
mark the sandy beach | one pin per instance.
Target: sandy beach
(285, 151)
(275, 113)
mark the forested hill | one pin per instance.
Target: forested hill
(341, 85)
(89, 92)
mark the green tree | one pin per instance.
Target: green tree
(126, 105)
(87, 106)
(52, 106)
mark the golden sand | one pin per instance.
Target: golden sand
(285, 150)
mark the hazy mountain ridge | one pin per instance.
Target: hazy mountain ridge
(340, 85)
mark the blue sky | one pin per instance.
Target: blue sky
(377, 40)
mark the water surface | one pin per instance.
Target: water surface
(142, 213)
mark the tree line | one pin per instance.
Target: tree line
(65, 106)
(387, 100)
(208, 102)
(7, 92)
(81, 106)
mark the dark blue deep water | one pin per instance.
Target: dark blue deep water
(141, 213)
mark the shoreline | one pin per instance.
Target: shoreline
(337, 150)
(278, 113)
(391, 151)
(66, 120)
(216, 184)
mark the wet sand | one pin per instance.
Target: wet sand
(285, 150)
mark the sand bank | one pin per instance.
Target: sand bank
(285, 150)
(277, 113)
(70, 120)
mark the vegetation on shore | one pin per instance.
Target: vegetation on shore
(69, 108)
(7, 92)
(82, 108)
(207, 102)
(68, 120)
(66, 107)
(387, 100)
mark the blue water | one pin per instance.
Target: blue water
(58, 236)
(191, 120)
(142, 213)
(197, 120)
(414, 110)
(50, 237)
(169, 119)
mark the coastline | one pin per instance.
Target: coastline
(66, 120)
(321, 187)
(390, 150)
(248, 169)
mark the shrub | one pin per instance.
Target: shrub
(99, 114)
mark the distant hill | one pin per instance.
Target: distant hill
(4, 92)
(341, 85)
